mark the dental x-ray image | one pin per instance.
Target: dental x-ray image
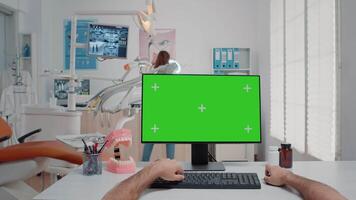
(61, 88)
(108, 40)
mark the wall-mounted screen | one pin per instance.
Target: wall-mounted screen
(61, 87)
(108, 40)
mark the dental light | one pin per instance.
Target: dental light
(151, 7)
(145, 22)
(146, 18)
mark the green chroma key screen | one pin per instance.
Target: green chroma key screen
(200, 109)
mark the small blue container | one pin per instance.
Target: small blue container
(26, 51)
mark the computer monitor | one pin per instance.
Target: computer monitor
(201, 109)
(108, 41)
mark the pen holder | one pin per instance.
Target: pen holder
(92, 164)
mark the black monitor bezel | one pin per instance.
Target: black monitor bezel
(200, 142)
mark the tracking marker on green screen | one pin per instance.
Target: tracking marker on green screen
(200, 109)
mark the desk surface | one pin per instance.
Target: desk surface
(340, 175)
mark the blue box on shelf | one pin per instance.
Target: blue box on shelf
(236, 59)
(217, 58)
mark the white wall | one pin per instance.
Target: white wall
(348, 80)
(263, 59)
(2, 42)
(30, 16)
(200, 25)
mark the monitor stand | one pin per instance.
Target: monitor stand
(200, 160)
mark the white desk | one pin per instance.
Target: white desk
(340, 175)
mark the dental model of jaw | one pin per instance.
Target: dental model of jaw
(118, 139)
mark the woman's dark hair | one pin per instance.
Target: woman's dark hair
(162, 59)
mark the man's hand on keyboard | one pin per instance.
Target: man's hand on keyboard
(131, 188)
(169, 170)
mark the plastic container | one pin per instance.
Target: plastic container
(273, 155)
(286, 155)
(92, 164)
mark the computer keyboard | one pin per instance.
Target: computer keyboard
(212, 180)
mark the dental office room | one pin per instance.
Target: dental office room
(166, 99)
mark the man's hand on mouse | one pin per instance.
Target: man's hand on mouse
(275, 175)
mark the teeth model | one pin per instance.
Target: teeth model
(116, 138)
(121, 136)
(121, 167)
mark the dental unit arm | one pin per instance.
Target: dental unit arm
(104, 95)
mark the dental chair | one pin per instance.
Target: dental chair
(24, 160)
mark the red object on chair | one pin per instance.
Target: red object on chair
(5, 130)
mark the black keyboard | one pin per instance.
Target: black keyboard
(212, 180)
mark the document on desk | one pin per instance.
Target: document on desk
(76, 142)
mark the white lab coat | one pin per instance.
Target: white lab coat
(12, 100)
(13, 97)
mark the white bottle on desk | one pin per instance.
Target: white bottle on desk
(273, 155)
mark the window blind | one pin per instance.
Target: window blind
(303, 75)
(295, 74)
(321, 126)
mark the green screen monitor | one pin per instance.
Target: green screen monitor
(200, 109)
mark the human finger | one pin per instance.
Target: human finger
(178, 177)
(180, 171)
(267, 179)
(268, 170)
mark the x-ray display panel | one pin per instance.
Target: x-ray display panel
(108, 41)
